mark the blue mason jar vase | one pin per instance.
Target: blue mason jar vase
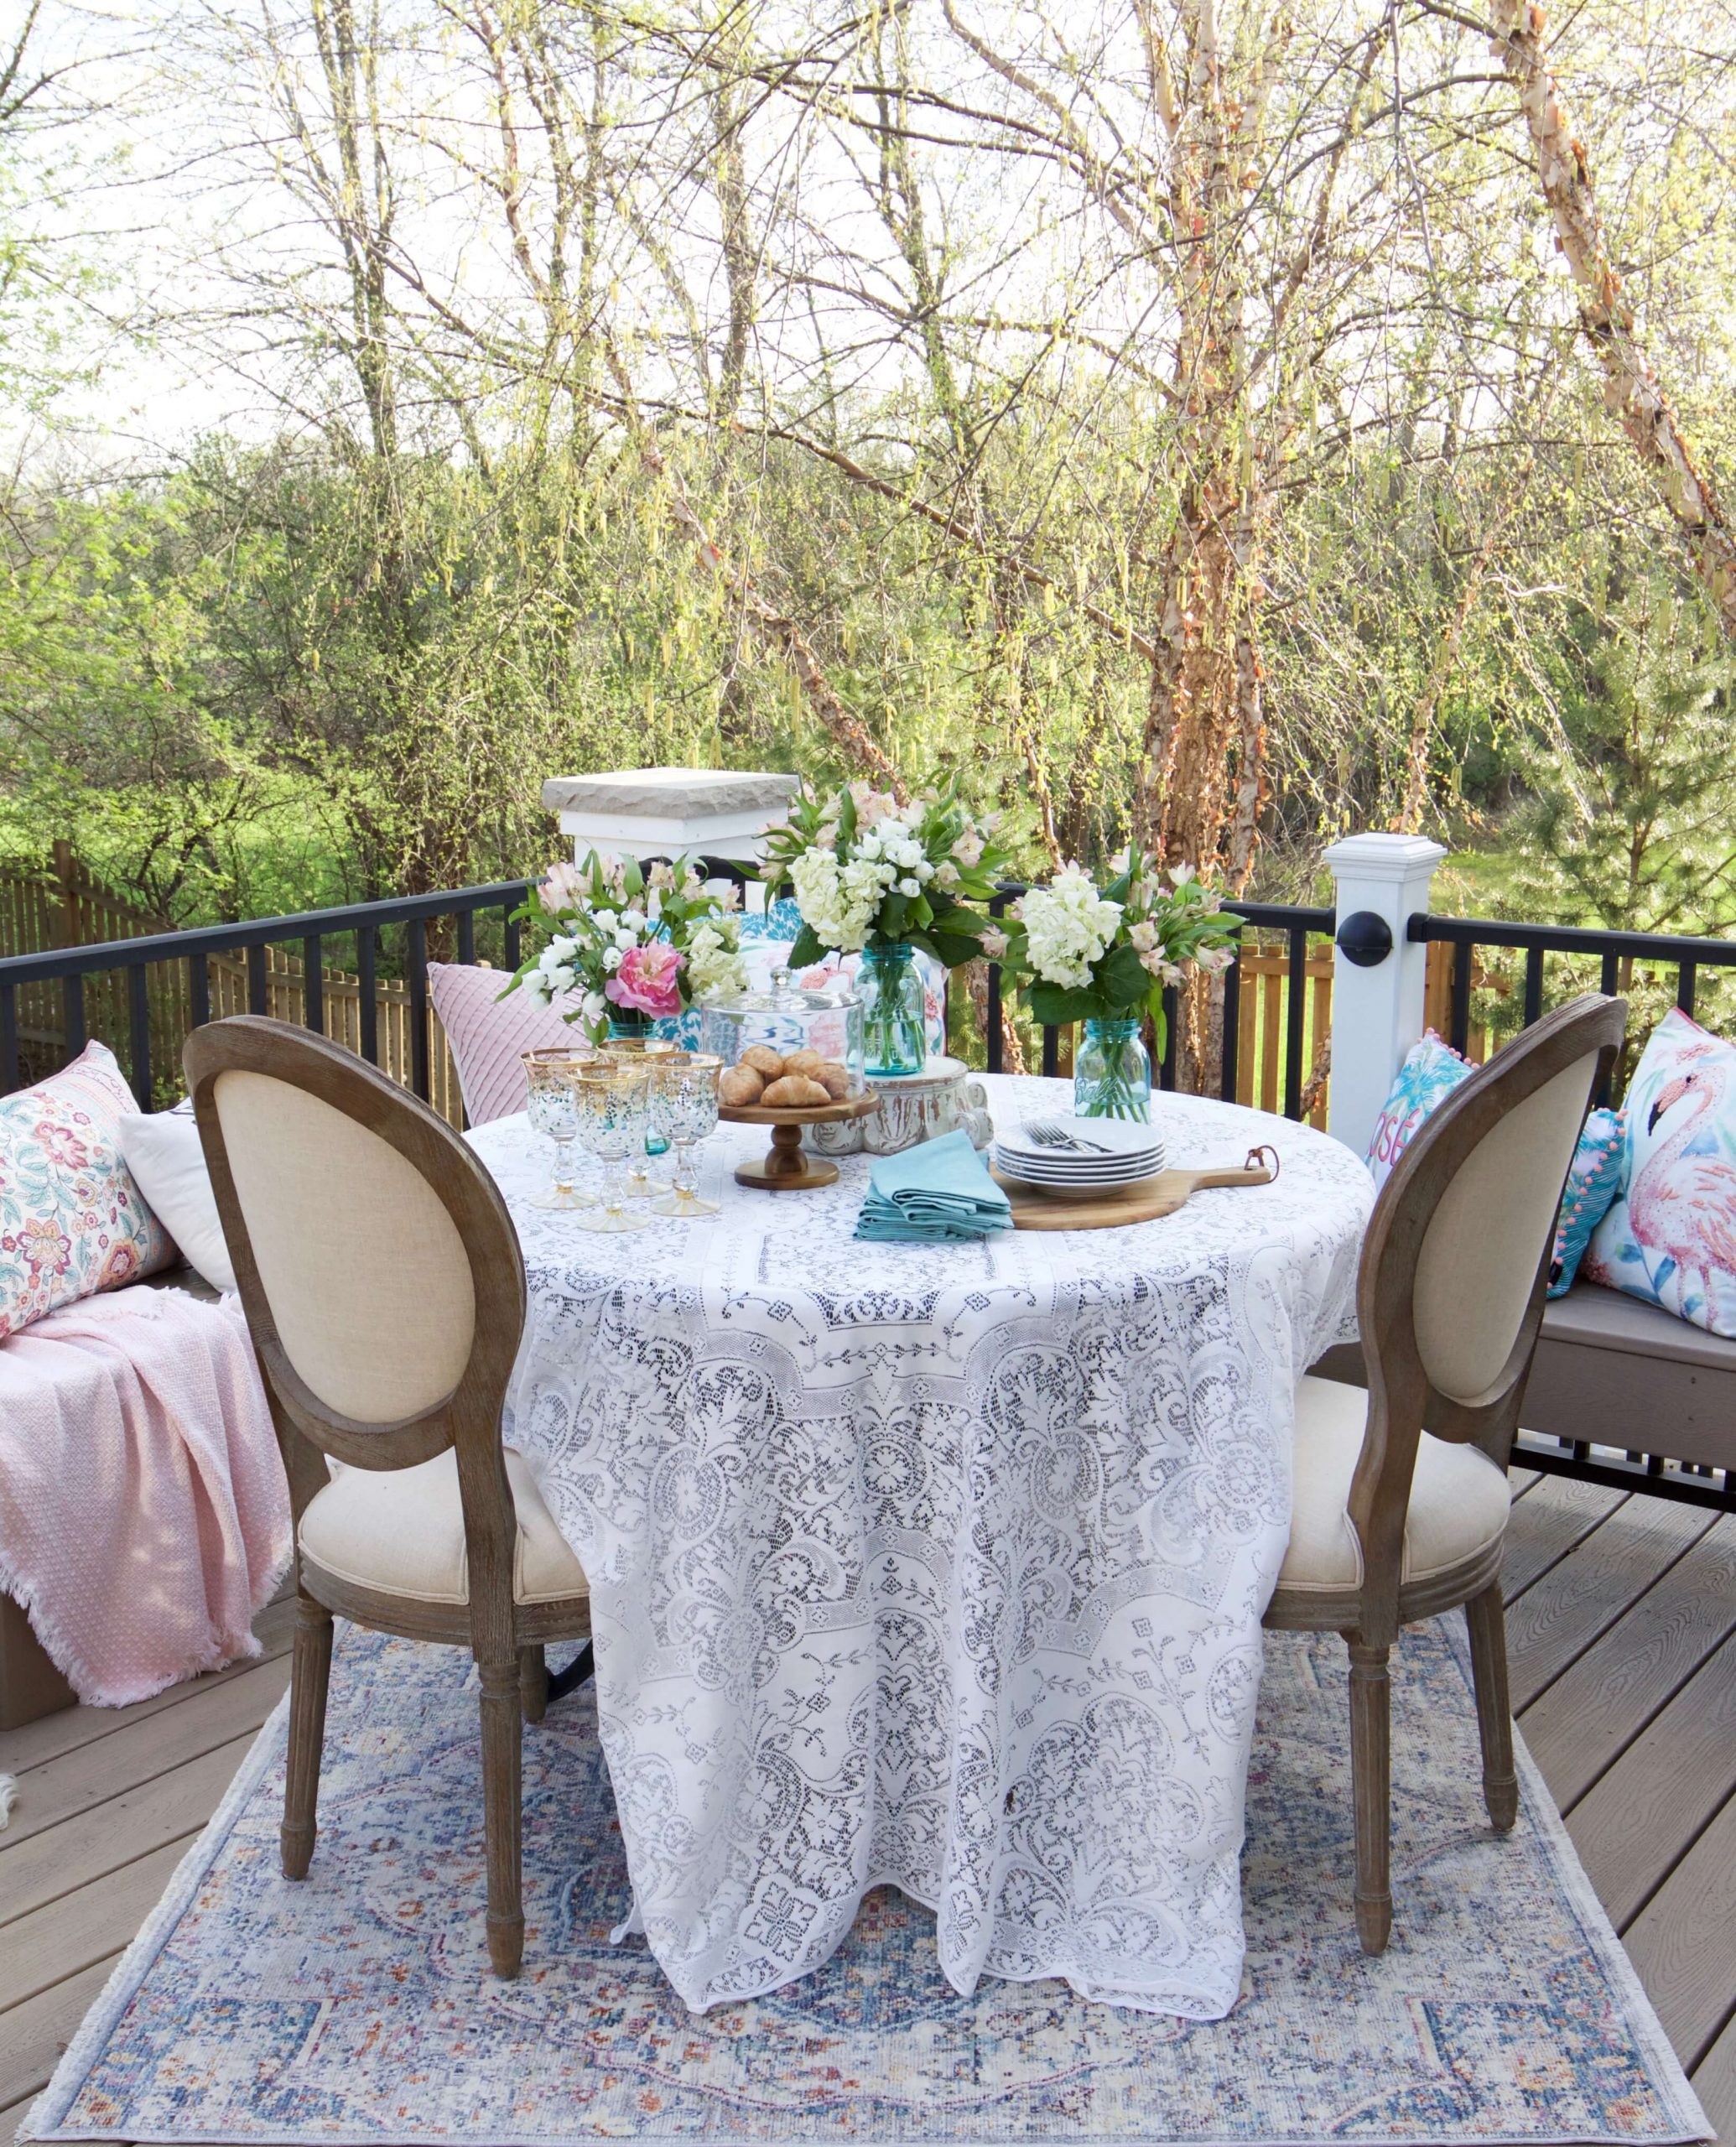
(1112, 1073)
(895, 1026)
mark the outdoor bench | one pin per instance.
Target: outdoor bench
(1613, 1371)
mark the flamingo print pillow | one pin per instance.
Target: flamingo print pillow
(1670, 1236)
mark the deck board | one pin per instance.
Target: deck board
(33, 2034)
(1589, 1716)
(1635, 1823)
(1554, 1515)
(91, 1774)
(1714, 2079)
(73, 1728)
(1558, 1617)
(1622, 1631)
(170, 1808)
(1683, 1943)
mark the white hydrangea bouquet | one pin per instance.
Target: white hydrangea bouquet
(1089, 954)
(869, 872)
(629, 946)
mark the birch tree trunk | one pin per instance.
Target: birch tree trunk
(1632, 390)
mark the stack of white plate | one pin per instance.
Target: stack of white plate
(1078, 1156)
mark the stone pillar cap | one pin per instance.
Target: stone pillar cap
(671, 793)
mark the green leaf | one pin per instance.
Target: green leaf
(953, 948)
(806, 949)
(1122, 976)
(1056, 1005)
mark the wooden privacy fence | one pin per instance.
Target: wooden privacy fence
(341, 997)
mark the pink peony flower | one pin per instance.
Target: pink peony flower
(645, 980)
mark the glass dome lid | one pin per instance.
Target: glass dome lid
(787, 1018)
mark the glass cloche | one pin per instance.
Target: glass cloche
(789, 1032)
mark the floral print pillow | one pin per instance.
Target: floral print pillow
(72, 1218)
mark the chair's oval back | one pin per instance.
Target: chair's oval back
(1478, 1263)
(379, 1268)
(364, 1270)
(1451, 1264)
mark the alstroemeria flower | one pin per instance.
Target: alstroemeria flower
(647, 980)
(562, 887)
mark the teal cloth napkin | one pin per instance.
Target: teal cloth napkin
(938, 1189)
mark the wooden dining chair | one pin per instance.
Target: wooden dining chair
(384, 1290)
(1401, 1499)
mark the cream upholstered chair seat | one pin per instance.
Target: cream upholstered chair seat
(1459, 1499)
(401, 1532)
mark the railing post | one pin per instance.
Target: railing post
(643, 813)
(1378, 972)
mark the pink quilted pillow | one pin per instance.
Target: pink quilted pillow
(72, 1218)
(487, 1034)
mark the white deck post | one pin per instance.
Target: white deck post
(642, 813)
(1377, 983)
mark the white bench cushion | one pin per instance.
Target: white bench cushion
(1458, 1498)
(401, 1530)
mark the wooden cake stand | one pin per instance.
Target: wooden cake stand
(787, 1167)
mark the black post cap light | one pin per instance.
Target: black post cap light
(1365, 938)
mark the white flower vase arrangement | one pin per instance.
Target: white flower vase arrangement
(885, 878)
(626, 946)
(1103, 956)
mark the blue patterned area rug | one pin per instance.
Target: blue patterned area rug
(357, 2007)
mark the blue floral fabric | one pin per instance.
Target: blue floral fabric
(1430, 1071)
(1594, 1181)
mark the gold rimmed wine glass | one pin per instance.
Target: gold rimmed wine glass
(612, 1108)
(651, 1053)
(684, 1107)
(553, 1108)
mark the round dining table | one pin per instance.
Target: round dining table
(941, 1565)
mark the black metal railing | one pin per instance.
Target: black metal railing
(310, 934)
(1615, 953)
(64, 971)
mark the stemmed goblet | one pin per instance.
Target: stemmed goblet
(684, 1109)
(613, 1101)
(552, 1108)
(647, 1054)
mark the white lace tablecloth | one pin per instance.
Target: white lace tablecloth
(939, 1565)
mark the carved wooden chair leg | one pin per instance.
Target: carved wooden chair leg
(310, 1674)
(502, 1818)
(533, 1683)
(1486, 1619)
(1371, 1781)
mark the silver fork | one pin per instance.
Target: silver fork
(1047, 1136)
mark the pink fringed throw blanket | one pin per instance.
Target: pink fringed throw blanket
(143, 1516)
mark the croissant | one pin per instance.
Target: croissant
(806, 1061)
(795, 1090)
(833, 1079)
(763, 1060)
(740, 1085)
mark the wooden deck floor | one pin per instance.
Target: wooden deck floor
(1622, 1625)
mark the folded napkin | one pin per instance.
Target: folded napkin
(938, 1189)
